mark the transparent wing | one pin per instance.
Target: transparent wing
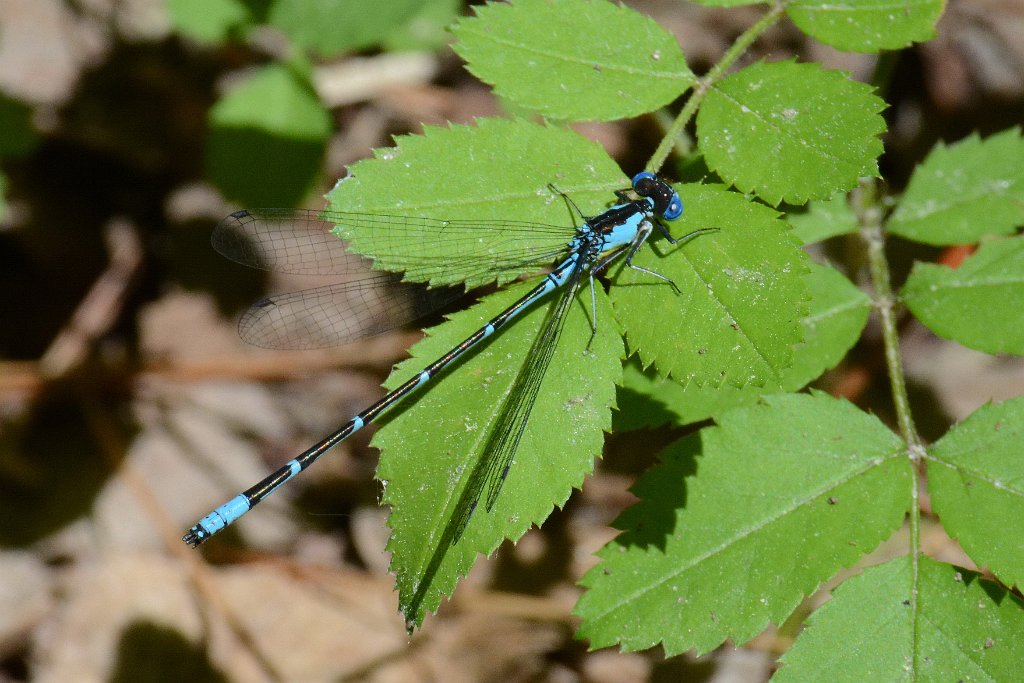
(498, 453)
(284, 241)
(304, 242)
(365, 302)
(340, 313)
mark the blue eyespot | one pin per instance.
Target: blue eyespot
(641, 176)
(675, 208)
(666, 201)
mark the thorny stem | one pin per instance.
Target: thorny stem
(703, 85)
(868, 207)
(869, 213)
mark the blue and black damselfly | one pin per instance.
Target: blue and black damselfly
(265, 239)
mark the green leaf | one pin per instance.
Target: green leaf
(964, 191)
(791, 131)
(17, 134)
(971, 304)
(337, 26)
(976, 481)
(3, 197)
(429, 452)
(477, 173)
(267, 138)
(867, 25)
(208, 21)
(897, 622)
(646, 399)
(742, 294)
(740, 522)
(574, 59)
(838, 313)
(824, 219)
(427, 29)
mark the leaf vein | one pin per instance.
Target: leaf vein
(587, 63)
(745, 533)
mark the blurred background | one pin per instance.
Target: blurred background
(128, 407)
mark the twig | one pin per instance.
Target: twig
(379, 353)
(357, 79)
(99, 309)
(113, 448)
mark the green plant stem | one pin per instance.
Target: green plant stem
(869, 212)
(868, 206)
(682, 145)
(704, 84)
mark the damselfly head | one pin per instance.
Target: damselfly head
(666, 200)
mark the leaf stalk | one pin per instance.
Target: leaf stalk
(703, 85)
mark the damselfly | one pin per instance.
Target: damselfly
(257, 238)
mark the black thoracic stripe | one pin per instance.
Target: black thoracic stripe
(598, 234)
